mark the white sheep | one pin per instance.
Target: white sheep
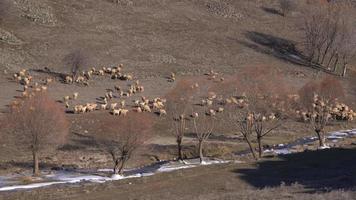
(75, 95)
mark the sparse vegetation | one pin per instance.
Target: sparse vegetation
(178, 84)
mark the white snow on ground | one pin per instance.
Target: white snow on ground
(67, 177)
(278, 151)
(29, 186)
(62, 177)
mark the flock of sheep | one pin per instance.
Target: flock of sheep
(335, 110)
(85, 76)
(108, 100)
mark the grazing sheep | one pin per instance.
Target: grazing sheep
(66, 98)
(137, 109)
(103, 106)
(48, 81)
(162, 112)
(146, 108)
(124, 112)
(75, 95)
(211, 112)
(122, 103)
(116, 112)
(44, 88)
(220, 109)
(91, 107)
(113, 106)
(68, 80)
(67, 104)
(194, 115)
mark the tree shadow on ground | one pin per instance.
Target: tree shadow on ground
(320, 170)
(272, 11)
(280, 48)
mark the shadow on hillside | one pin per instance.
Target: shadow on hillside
(81, 142)
(280, 48)
(317, 170)
(272, 11)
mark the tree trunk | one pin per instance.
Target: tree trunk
(251, 148)
(122, 165)
(116, 166)
(260, 147)
(179, 146)
(36, 171)
(321, 138)
(201, 157)
(344, 71)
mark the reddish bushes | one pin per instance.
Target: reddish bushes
(37, 123)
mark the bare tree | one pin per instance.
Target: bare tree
(179, 101)
(76, 61)
(317, 99)
(203, 126)
(262, 104)
(121, 137)
(329, 35)
(37, 124)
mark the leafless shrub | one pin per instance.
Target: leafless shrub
(329, 35)
(264, 105)
(120, 138)
(179, 102)
(37, 124)
(76, 61)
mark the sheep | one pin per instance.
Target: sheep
(113, 106)
(75, 95)
(43, 88)
(80, 79)
(66, 98)
(220, 109)
(123, 112)
(211, 112)
(101, 72)
(80, 109)
(195, 115)
(122, 103)
(209, 102)
(146, 108)
(48, 81)
(103, 106)
(116, 112)
(162, 112)
(91, 107)
(137, 109)
(172, 78)
(68, 80)
(67, 104)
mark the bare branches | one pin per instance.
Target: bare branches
(76, 61)
(179, 101)
(120, 138)
(329, 35)
(317, 102)
(37, 123)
